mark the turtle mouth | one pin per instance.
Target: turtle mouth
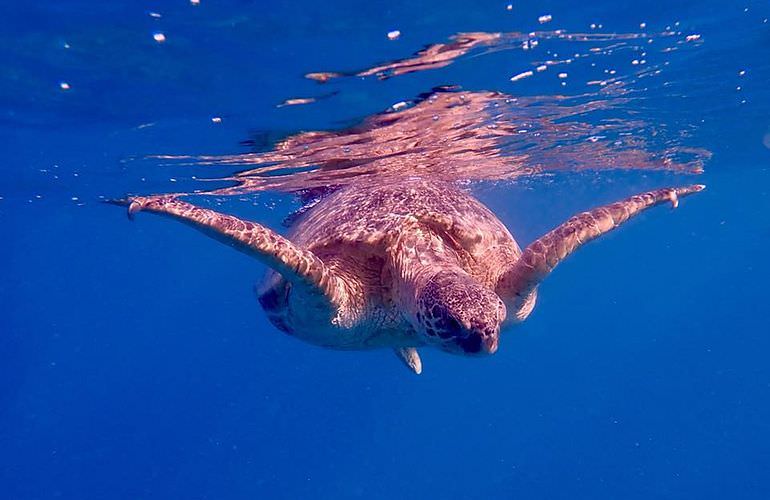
(479, 343)
(467, 337)
(471, 344)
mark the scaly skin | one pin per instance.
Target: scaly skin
(402, 265)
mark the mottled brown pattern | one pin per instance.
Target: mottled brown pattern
(402, 265)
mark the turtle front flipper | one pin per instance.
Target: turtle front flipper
(301, 267)
(410, 357)
(518, 284)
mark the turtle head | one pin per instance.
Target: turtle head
(459, 315)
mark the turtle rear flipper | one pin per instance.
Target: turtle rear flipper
(410, 357)
(519, 283)
(300, 267)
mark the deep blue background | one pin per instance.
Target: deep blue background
(135, 362)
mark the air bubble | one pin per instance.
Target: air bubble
(521, 76)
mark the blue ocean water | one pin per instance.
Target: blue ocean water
(136, 363)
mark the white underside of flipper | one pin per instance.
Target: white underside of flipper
(410, 357)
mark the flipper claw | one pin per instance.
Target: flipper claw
(675, 193)
(674, 198)
(133, 207)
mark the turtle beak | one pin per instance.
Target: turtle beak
(489, 340)
(481, 342)
(490, 344)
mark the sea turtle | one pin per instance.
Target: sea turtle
(402, 264)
